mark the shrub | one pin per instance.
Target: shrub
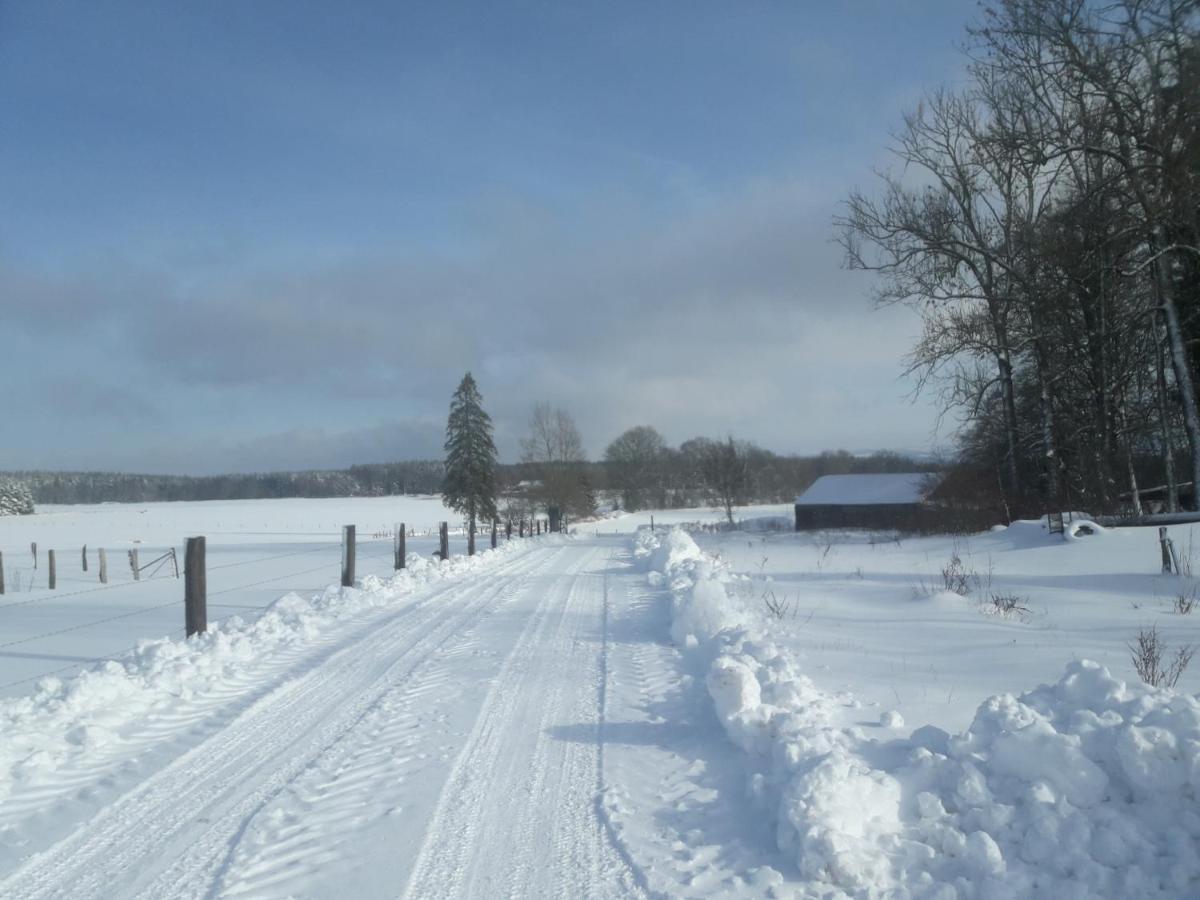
(776, 606)
(962, 578)
(1148, 652)
(1009, 605)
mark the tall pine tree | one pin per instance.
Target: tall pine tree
(470, 486)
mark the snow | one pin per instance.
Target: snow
(1084, 787)
(866, 490)
(81, 719)
(616, 713)
(258, 550)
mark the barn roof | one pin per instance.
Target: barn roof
(868, 490)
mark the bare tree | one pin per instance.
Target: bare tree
(1045, 223)
(723, 467)
(553, 437)
(939, 243)
(1117, 83)
(555, 448)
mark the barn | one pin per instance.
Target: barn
(864, 501)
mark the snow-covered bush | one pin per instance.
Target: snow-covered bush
(15, 498)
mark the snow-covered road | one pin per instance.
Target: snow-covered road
(450, 747)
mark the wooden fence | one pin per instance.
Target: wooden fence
(195, 569)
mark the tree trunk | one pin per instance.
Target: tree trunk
(1010, 422)
(1164, 424)
(1133, 482)
(1045, 411)
(1129, 467)
(1094, 323)
(1181, 364)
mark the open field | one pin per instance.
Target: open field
(258, 551)
(864, 609)
(871, 615)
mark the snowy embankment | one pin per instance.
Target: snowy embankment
(1084, 788)
(89, 718)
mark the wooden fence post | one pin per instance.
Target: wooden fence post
(1166, 552)
(83, 557)
(52, 573)
(398, 547)
(347, 556)
(195, 587)
(1, 574)
(444, 540)
(652, 524)
(103, 557)
(493, 534)
(133, 564)
(33, 550)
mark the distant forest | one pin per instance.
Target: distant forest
(673, 482)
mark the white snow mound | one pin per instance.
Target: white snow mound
(1084, 788)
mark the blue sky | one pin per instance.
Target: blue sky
(274, 235)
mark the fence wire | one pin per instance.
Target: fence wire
(386, 538)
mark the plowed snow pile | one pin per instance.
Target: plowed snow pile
(1083, 788)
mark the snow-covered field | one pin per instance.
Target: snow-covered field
(871, 615)
(1085, 786)
(616, 713)
(258, 550)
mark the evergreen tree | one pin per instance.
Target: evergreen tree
(470, 486)
(15, 498)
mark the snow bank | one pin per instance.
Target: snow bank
(1084, 788)
(64, 720)
(1082, 528)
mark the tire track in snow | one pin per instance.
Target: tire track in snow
(340, 826)
(675, 795)
(171, 834)
(612, 828)
(517, 817)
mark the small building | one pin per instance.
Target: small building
(864, 501)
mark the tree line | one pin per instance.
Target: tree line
(639, 470)
(1044, 222)
(382, 479)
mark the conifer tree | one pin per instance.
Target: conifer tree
(470, 486)
(15, 498)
